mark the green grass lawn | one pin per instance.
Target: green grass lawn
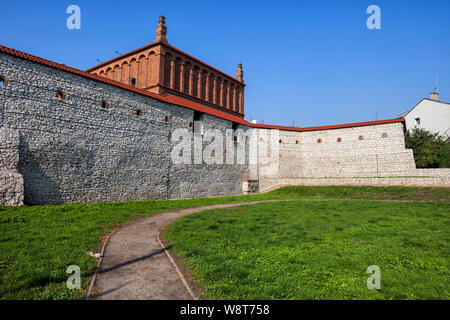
(318, 250)
(38, 243)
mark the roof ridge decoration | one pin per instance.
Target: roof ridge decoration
(161, 30)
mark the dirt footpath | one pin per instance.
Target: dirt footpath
(134, 265)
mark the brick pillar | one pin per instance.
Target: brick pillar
(147, 76)
(199, 84)
(182, 77)
(229, 103)
(235, 106)
(150, 70)
(241, 100)
(221, 94)
(232, 96)
(119, 76)
(215, 91)
(159, 71)
(191, 81)
(237, 94)
(137, 73)
(207, 87)
(172, 74)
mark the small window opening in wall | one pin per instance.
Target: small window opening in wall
(105, 104)
(166, 119)
(138, 112)
(60, 94)
(296, 141)
(319, 140)
(3, 81)
(235, 127)
(361, 138)
(417, 121)
(384, 135)
(132, 82)
(198, 123)
(280, 141)
(339, 139)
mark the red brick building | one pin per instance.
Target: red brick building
(163, 69)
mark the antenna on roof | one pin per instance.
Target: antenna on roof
(436, 87)
(117, 52)
(435, 94)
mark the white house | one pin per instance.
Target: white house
(430, 114)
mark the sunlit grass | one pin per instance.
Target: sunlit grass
(318, 250)
(38, 243)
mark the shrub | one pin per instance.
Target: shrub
(430, 151)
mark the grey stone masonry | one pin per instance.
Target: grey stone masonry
(75, 148)
(363, 155)
(11, 182)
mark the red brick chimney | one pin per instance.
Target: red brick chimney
(161, 30)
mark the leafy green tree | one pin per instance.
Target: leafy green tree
(430, 151)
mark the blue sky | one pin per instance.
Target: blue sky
(312, 62)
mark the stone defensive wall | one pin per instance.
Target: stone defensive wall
(68, 136)
(358, 155)
(74, 139)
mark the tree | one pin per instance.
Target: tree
(430, 151)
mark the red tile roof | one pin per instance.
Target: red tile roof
(179, 101)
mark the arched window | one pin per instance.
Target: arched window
(384, 135)
(138, 112)
(166, 119)
(3, 81)
(116, 73)
(280, 141)
(319, 140)
(104, 104)
(296, 141)
(361, 138)
(178, 80)
(339, 139)
(142, 72)
(109, 74)
(187, 71)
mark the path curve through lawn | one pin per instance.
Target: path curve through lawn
(134, 266)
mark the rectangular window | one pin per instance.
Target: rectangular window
(235, 127)
(198, 123)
